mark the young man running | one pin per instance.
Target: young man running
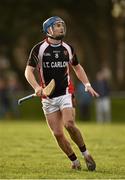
(52, 57)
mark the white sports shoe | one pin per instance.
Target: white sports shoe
(76, 165)
(90, 163)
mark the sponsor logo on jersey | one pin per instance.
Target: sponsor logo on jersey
(56, 51)
(55, 64)
(46, 54)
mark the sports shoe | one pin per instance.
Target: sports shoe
(76, 165)
(90, 163)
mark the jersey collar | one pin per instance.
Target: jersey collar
(53, 45)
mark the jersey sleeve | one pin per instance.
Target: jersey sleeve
(74, 60)
(33, 57)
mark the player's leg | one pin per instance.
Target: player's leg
(55, 123)
(79, 136)
(78, 139)
(69, 123)
(75, 134)
(74, 105)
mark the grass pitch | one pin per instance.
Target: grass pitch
(28, 151)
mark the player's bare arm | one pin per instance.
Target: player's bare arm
(29, 74)
(81, 74)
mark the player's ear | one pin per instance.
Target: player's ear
(50, 30)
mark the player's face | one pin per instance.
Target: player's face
(58, 30)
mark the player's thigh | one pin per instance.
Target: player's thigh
(74, 105)
(73, 101)
(54, 121)
(68, 116)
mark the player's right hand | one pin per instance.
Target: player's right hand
(39, 91)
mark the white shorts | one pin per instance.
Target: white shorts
(57, 103)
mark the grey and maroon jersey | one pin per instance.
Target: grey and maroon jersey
(53, 62)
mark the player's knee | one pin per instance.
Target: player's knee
(58, 135)
(69, 125)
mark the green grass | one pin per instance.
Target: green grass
(28, 151)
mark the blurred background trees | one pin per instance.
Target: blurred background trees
(95, 28)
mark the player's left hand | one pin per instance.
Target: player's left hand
(92, 92)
